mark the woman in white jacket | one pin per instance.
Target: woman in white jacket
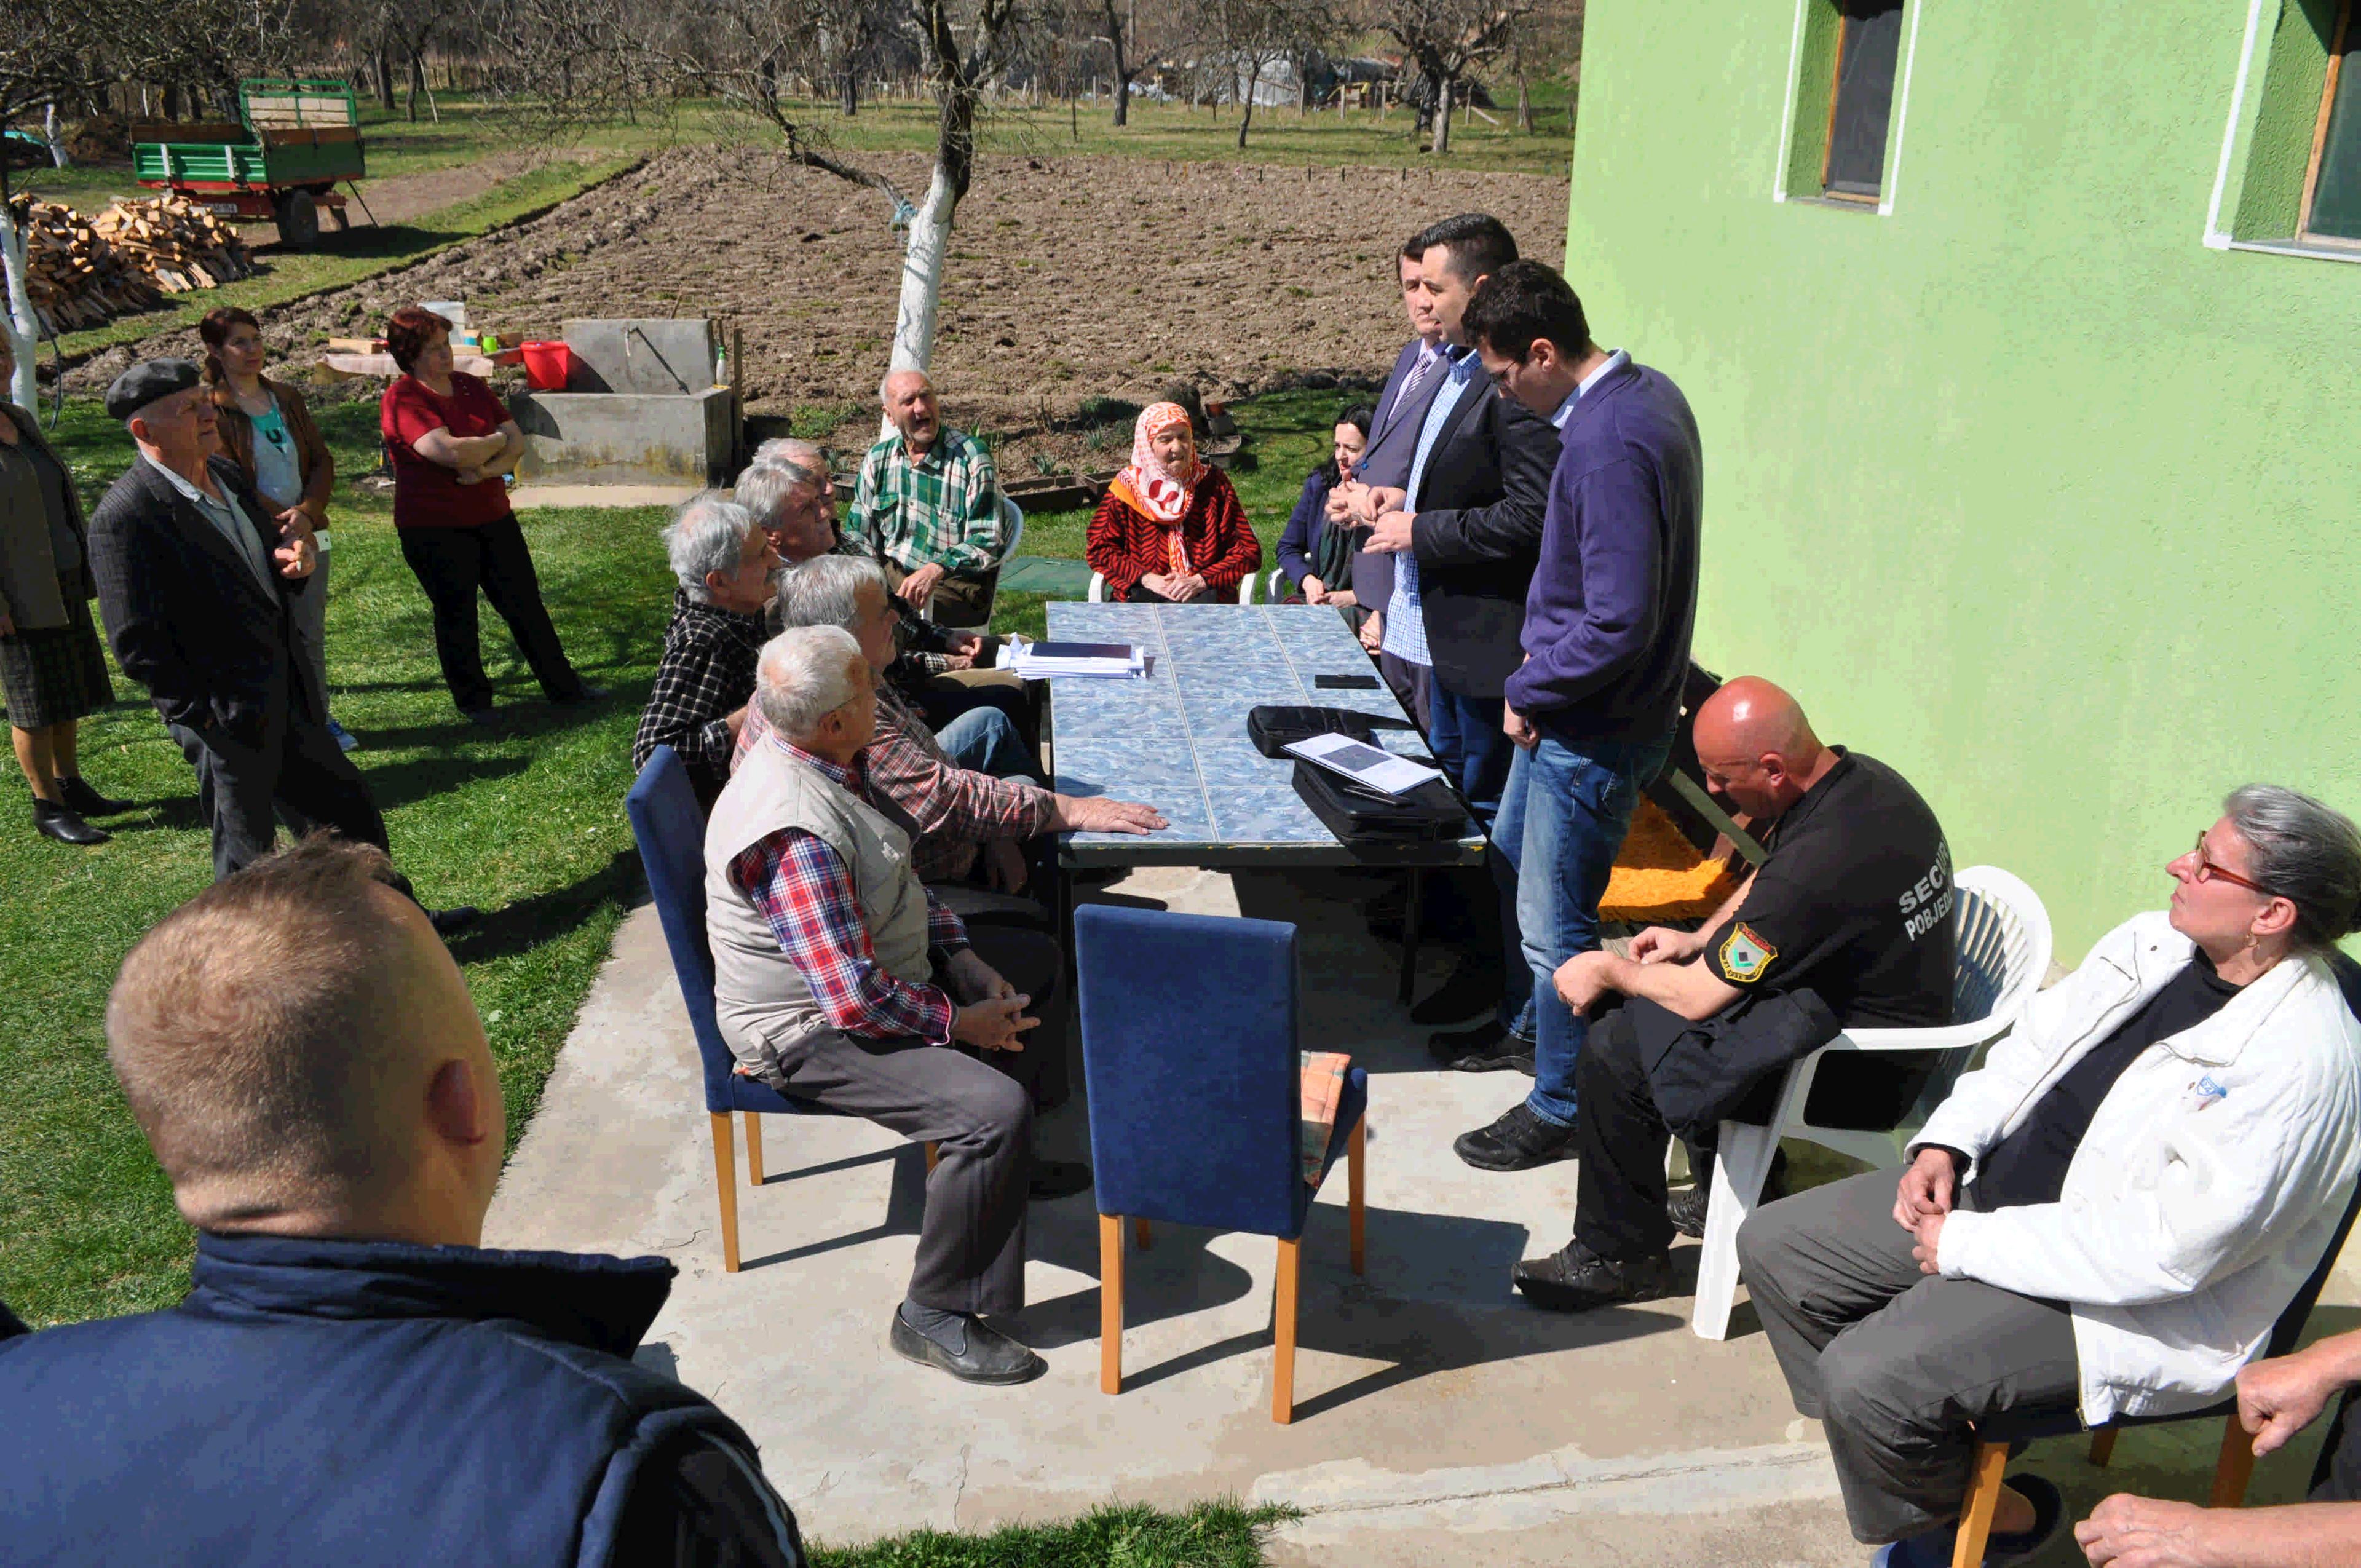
(2108, 1214)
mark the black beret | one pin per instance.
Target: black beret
(147, 382)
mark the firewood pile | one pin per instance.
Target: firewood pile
(83, 271)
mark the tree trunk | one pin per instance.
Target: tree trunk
(1246, 119)
(1442, 117)
(417, 83)
(1122, 98)
(18, 321)
(1524, 108)
(848, 92)
(385, 78)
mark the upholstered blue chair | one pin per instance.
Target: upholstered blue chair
(1188, 1048)
(670, 828)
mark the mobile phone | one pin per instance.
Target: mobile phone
(1346, 683)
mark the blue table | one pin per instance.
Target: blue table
(1177, 740)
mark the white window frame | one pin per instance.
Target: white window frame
(1893, 176)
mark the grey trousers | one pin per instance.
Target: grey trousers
(1893, 1362)
(978, 1109)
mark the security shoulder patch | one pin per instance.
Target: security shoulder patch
(1745, 955)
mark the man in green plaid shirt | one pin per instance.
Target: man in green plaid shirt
(927, 506)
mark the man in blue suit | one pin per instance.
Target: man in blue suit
(1419, 372)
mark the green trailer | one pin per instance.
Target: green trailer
(293, 143)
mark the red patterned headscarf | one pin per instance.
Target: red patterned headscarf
(1158, 492)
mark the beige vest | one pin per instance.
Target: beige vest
(766, 1011)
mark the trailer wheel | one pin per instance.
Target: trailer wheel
(298, 220)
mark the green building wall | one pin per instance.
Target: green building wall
(2021, 486)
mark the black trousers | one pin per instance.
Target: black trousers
(2337, 1478)
(451, 564)
(297, 767)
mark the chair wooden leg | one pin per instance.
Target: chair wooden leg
(1984, 1496)
(2102, 1446)
(1282, 1320)
(1139, 1236)
(725, 1178)
(1110, 1303)
(753, 1149)
(1355, 1152)
(2234, 1468)
(934, 1157)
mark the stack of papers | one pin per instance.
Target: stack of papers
(1363, 763)
(1040, 660)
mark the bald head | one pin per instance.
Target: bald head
(304, 1057)
(910, 407)
(1757, 748)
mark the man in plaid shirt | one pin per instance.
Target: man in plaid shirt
(838, 979)
(723, 564)
(928, 506)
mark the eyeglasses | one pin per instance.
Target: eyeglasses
(2208, 870)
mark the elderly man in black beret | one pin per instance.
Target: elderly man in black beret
(197, 579)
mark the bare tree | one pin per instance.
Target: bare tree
(1131, 62)
(1446, 39)
(1250, 38)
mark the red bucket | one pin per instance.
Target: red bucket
(547, 366)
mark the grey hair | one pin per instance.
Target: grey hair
(2305, 853)
(764, 488)
(826, 590)
(707, 534)
(794, 450)
(806, 674)
(887, 380)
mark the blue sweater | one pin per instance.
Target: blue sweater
(1613, 602)
(1299, 543)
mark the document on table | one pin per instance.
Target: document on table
(1363, 763)
(1040, 661)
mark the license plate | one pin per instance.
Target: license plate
(226, 209)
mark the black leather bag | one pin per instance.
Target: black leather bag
(1359, 815)
(1273, 727)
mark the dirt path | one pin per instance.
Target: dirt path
(408, 196)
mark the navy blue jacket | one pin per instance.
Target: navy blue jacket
(358, 1403)
(1613, 600)
(1299, 542)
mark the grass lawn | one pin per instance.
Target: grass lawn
(1209, 1535)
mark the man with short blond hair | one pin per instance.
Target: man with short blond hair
(304, 1059)
(928, 506)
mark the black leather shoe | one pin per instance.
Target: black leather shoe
(450, 922)
(1472, 987)
(482, 717)
(1578, 1279)
(1055, 1179)
(51, 820)
(1686, 1210)
(1486, 1047)
(84, 801)
(1517, 1141)
(985, 1354)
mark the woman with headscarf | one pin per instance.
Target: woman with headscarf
(1171, 529)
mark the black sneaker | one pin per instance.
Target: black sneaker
(77, 796)
(452, 921)
(1578, 1279)
(1519, 1140)
(981, 1354)
(582, 697)
(1685, 1210)
(1473, 986)
(1486, 1047)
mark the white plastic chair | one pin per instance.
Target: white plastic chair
(1012, 526)
(2003, 951)
(1246, 589)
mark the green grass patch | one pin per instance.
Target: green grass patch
(352, 255)
(525, 821)
(1130, 1535)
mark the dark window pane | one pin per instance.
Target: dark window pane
(2336, 192)
(1864, 101)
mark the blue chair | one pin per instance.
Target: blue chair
(1188, 1050)
(670, 828)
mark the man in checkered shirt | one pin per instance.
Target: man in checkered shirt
(927, 506)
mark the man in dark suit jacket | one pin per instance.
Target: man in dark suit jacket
(1419, 372)
(197, 589)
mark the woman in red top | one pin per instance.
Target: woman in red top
(452, 444)
(1171, 529)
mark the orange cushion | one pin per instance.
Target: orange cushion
(1660, 876)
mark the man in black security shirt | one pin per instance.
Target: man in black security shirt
(1850, 916)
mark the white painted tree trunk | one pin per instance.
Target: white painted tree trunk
(18, 320)
(1443, 120)
(923, 255)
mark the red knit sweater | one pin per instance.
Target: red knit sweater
(1124, 545)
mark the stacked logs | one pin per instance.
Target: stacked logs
(179, 244)
(82, 272)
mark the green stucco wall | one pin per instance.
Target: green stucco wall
(2022, 488)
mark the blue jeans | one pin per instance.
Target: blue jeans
(985, 740)
(1574, 801)
(1465, 734)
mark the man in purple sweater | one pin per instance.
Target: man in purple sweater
(1606, 639)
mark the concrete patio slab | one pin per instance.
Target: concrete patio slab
(1439, 1419)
